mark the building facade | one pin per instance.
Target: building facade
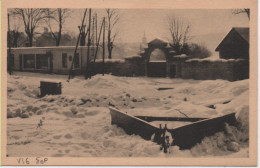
(235, 45)
(232, 65)
(51, 59)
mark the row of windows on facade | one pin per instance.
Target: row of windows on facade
(42, 60)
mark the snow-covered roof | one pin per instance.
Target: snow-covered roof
(235, 31)
(111, 60)
(243, 32)
(52, 47)
(157, 41)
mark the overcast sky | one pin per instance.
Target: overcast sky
(134, 22)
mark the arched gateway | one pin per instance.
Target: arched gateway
(157, 66)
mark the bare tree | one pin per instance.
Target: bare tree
(14, 33)
(180, 33)
(83, 35)
(31, 17)
(59, 16)
(84, 31)
(112, 20)
(245, 10)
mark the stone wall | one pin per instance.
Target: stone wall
(218, 69)
(131, 66)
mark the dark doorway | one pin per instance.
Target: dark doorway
(49, 55)
(21, 62)
(157, 69)
(172, 71)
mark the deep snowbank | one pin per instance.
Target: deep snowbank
(77, 123)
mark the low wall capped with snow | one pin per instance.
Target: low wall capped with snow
(214, 60)
(110, 61)
(131, 66)
(133, 57)
(211, 69)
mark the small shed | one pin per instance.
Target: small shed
(235, 45)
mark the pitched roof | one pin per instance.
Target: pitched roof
(157, 41)
(242, 31)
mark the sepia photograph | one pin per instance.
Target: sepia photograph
(111, 82)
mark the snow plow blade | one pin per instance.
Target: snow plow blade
(184, 136)
(132, 124)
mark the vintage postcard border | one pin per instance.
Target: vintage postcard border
(171, 4)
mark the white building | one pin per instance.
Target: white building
(51, 59)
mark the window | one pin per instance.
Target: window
(29, 61)
(42, 61)
(76, 61)
(11, 59)
(64, 60)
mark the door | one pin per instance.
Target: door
(157, 69)
(172, 71)
(21, 62)
(50, 56)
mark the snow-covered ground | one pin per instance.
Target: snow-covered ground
(78, 123)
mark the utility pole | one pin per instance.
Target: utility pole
(93, 31)
(103, 62)
(83, 35)
(97, 46)
(93, 39)
(89, 43)
(101, 28)
(96, 29)
(9, 67)
(81, 28)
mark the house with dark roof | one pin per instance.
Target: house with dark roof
(235, 45)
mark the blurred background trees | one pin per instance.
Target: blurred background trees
(180, 36)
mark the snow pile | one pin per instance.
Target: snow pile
(133, 57)
(111, 60)
(64, 133)
(214, 59)
(78, 123)
(181, 56)
(240, 105)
